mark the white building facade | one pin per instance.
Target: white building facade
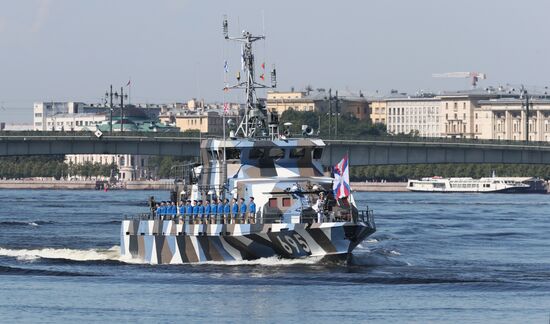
(414, 115)
(504, 119)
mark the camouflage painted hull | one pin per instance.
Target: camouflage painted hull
(167, 242)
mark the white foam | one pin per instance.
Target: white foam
(114, 254)
(32, 224)
(271, 261)
(68, 254)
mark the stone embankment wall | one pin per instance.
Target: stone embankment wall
(46, 184)
(82, 184)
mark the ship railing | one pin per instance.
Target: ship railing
(365, 216)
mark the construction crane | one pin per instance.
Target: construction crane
(475, 76)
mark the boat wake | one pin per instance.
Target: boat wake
(112, 254)
(269, 262)
(378, 257)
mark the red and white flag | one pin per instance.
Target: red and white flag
(225, 108)
(341, 186)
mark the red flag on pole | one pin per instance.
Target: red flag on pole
(263, 65)
(262, 77)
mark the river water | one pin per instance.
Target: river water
(435, 258)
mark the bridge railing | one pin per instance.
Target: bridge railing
(341, 138)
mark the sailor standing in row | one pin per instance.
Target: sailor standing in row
(234, 210)
(252, 210)
(158, 210)
(195, 210)
(213, 210)
(244, 216)
(188, 209)
(227, 211)
(172, 210)
(207, 210)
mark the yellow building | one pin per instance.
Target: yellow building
(210, 122)
(378, 112)
(299, 101)
(317, 101)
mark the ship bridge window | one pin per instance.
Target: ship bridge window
(273, 202)
(317, 153)
(276, 153)
(297, 153)
(256, 153)
(232, 154)
(286, 202)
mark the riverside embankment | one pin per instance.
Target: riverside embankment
(82, 184)
(164, 185)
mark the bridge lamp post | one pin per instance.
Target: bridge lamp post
(122, 96)
(109, 94)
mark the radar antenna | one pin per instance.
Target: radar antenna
(254, 122)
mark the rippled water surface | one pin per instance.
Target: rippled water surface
(435, 258)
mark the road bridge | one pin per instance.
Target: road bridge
(367, 151)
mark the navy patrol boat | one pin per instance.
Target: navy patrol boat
(297, 215)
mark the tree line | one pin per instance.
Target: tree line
(348, 125)
(19, 167)
(396, 173)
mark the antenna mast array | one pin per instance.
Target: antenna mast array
(254, 122)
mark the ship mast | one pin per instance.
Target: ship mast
(254, 122)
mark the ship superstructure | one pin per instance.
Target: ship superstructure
(297, 214)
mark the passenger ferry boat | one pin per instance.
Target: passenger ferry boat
(283, 174)
(484, 185)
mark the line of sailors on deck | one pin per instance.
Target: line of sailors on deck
(210, 210)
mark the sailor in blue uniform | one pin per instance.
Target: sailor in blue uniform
(181, 208)
(195, 210)
(162, 208)
(158, 210)
(227, 211)
(252, 210)
(214, 209)
(189, 210)
(235, 210)
(220, 209)
(207, 210)
(243, 211)
(201, 211)
(172, 211)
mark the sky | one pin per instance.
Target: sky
(173, 50)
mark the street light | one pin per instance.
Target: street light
(109, 94)
(122, 96)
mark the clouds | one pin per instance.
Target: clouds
(41, 16)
